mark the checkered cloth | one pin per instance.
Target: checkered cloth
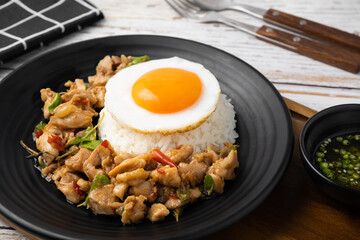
(26, 24)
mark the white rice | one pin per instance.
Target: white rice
(217, 129)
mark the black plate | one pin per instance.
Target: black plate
(34, 205)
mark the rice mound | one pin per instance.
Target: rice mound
(217, 129)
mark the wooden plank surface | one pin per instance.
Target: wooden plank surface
(296, 209)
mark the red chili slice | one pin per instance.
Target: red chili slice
(152, 196)
(160, 171)
(83, 101)
(56, 142)
(107, 145)
(38, 133)
(77, 189)
(174, 196)
(160, 157)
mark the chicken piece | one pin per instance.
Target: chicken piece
(99, 93)
(92, 166)
(82, 99)
(213, 150)
(157, 212)
(76, 161)
(124, 62)
(180, 154)
(105, 69)
(120, 190)
(108, 163)
(56, 137)
(80, 133)
(225, 167)
(50, 168)
(167, 176)
(68, 116)
(117, 206)
(134, 209)
(219, 183)
(151, 164)
(194, 194)
(162, 193)
(121, 156)
(130, 164)
(43, 145)
(100, 198)
(194, 172)
(79, 94)
(84, 185)
(144, 188)
(174, 202)
(66, 135)
(47, 96)
(225, 150)
(134, 177)
(68, 186)
(207, 158)
(77, 84)
(61, 171)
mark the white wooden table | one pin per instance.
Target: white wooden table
(299, 78)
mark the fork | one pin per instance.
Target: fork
(331, 55)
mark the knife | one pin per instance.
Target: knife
(332, 55)
(304, 26)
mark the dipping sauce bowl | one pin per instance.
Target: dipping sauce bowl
(329, 123)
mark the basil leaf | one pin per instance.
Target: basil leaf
(89, 135)
(76, 141)
(90, 144)
(208, 184)
(40, 126)
(235, 147)
(55, 102)
(183, 196)
(100, 180)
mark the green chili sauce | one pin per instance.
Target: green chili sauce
(338, 159)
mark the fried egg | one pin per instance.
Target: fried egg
(166, 95)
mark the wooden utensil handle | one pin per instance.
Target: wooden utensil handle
(314, 29)
(331, 55)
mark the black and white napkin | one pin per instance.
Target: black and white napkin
(27, 24)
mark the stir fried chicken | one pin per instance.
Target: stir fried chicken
(134, 186)
(157, 212)
(100, 199)
(107, 67)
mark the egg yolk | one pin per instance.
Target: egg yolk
(166, 90)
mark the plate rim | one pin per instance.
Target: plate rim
(15, 221)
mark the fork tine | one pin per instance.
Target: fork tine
(186, 9)
(178, 8)
(191, 6)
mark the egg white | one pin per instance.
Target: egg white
(119, 101)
